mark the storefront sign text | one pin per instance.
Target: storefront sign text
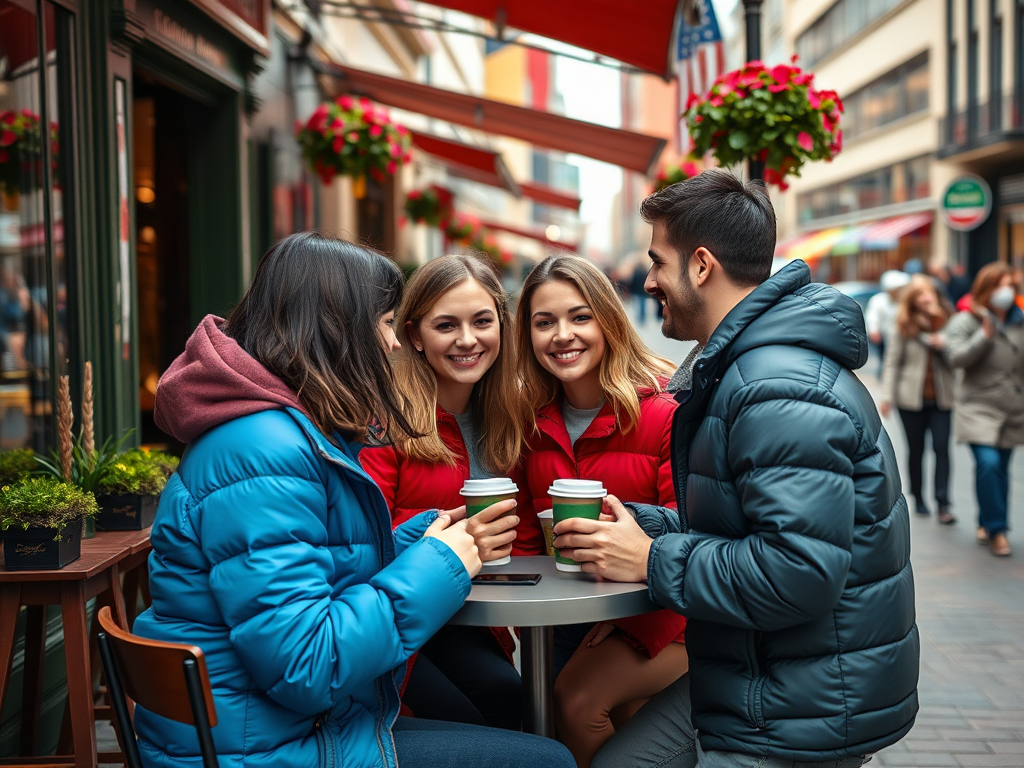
(189, 41)
(966, 203)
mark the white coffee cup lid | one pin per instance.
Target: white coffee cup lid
(492, 486)
(578, 489)
(546, 513)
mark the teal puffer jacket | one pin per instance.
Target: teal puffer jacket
(273, 552)
(790, 551)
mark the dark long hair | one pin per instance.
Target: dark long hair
(311, 318)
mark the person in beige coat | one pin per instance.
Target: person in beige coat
(987, 342)
(918, 380)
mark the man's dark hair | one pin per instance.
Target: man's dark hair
(717, 211)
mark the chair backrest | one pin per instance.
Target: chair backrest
(152, 673)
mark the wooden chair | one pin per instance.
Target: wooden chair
(168, 679)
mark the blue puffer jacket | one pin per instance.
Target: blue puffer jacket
(790, 551)
(273, 552)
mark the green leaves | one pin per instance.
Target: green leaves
(44, 502)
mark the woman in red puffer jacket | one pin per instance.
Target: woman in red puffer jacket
(456, 370)
(601, 413)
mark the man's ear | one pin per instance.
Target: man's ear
(705, 263)
(413, 334)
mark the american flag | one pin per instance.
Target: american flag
(700, 56)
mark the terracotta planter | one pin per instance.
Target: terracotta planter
(34, 549)
(126, 512)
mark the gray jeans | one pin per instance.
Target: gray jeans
(661, 735)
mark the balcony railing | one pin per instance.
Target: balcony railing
(982, 124)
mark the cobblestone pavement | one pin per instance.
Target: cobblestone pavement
(970, 610)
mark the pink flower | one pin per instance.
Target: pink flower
(346, 103)
(369, 116)
(352, 137)
(376, 131)
(814, 99)
(837, 144)
(756, 66)
(691, 100)
(805, 140)
(690, 169)
(778, 88)
(392, 167)
(365, 103)
(804, 79)
(794, 58)
(415, 194)
(338, 126)
(395, 150)
(828, 120)
(402, 130)
(781, 74)
(716, 101)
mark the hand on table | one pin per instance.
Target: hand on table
(458, 539)
(494, 529)
(617, 549)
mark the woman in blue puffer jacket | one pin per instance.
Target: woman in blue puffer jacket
(273, 549)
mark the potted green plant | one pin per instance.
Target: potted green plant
(41, 518)
(129, 490)
(17, 465)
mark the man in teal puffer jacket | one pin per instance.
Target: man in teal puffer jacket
(790, 551)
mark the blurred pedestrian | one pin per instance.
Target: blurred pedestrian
(919, 381)
(880, 313)
(598, 410)
(268, 549)
(640, 296)
(987, 342)
(456, 371)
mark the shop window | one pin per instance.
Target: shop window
(900, 183)
(36, 222)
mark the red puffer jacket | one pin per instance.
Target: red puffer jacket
(633, 465)
(411, 486)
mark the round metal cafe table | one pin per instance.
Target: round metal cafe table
(558, 598)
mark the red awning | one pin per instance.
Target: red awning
(640, 34)
(549, 195)
(885, 235)
(467, 161)
(626, 149)
(531, 233)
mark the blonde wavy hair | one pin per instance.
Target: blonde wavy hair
(628, 367)
(495, 399)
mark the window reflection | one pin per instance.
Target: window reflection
(898, 183)
(895, 95)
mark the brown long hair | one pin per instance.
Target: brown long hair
(495, 398)
(908, 317)
(311, 318)
(986, 281)
(628, 366)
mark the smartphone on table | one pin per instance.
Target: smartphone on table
(523, 579)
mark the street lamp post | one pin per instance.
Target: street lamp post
(752, 13)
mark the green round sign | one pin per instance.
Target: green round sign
(966, 203)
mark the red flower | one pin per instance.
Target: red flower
(337, 144)
(365, 103)
(7, 138)
(716, 101)
(346, 103)
(804, 79)
(375, 131)
(794, 58)
(828, 120)
(837, 145)
(778, 88)
(690, 169)
(415, 194)
(814, 99)
(392, 167)
(805, 140)
(352, 137)
(4, 155)
(764, 155)
(782, 74)
(7, 118)
(402, 221)
(402, 130)
(691, 101)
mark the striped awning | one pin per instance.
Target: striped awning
(886, 235)
(817, 245)
(783, 247)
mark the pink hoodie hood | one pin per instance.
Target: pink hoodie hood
(214, 381)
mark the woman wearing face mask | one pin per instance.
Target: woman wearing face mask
(987, 342)
(598, 411)
(272, 549)
(919, 381)
(457, 371)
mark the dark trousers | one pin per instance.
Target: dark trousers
(431, 744)
(462, 675)
(916, 424)
(992, 486)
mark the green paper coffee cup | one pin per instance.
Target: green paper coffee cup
(480, 494)
(547, 524)
(575, 498)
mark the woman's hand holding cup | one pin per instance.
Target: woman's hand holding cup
(494, 529)
(458, 539)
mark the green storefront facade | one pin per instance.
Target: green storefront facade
(139, 215)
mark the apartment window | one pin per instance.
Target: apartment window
(900, 183)
(837, 25)
(895, 95)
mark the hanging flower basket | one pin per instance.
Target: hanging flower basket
(674, 174)
(354, 138)
(429, 206)
(21, 153)
(463, 229)
(774, 115)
